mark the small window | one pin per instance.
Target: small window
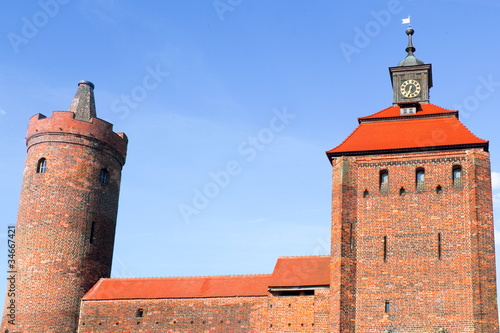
(41, 166)
(420, 179)
(457, 176)
(402, 191)
(439, 246)
(104, 176)
(384, 181)
(385, 248)
(387, 307)
(92, 233)
(366, 193)
(384, 176)
(408, 110)
(139, 313)
(439, 189)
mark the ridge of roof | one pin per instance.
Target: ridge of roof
(186, 277)
(304, 257)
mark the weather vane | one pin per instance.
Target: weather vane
(406, 20)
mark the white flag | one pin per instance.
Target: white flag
(406, 20)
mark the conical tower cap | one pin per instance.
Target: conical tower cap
(83, 104)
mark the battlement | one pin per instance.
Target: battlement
(64, 122)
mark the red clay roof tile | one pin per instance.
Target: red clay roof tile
(394, 111)
(180, 287)
(301, 271)
(435, 129)
(289, 271)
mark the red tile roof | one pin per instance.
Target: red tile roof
(431, 128)
(301, 271)
(180, 287)
(394, 111)
(289, 271)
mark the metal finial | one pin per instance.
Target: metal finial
(410, 48)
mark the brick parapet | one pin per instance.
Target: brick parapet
(63, 126)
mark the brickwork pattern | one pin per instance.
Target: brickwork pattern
(214, 315)
(343, 232)
(424, 254)
(66, 220)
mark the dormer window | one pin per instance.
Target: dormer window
(408, 110)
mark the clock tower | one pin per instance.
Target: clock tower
(412, 245)
(411, 80)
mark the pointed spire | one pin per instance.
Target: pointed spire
(83, 104)
(410, 59)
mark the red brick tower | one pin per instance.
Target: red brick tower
(67, 215)
(412, 225)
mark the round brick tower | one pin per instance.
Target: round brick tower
(67, 216)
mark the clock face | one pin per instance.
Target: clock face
(410, 88)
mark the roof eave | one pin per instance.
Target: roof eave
(331, 155)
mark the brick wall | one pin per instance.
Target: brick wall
(424, 254)
(224, 314)
(58, 255)
(343, 232)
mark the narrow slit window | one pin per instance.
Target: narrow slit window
(457, 176)
(387, 307)
(351, 237)
(385, 248)
(365, 193)
(439, 189)
(402, 191)
(104, 176)
(439, 246)
(41, 166)
(92, 233)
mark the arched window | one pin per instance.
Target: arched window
(456, 175)
(420, 179)
(104, 176)
(384, 181)
(41, 167)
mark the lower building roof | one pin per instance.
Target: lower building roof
(288, 272)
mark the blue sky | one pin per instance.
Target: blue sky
(235, 98)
